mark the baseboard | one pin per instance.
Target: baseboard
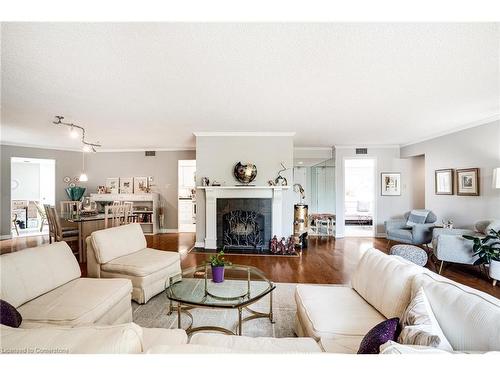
(200, 244)
(168, 230)
(381, 235)
(5, 236)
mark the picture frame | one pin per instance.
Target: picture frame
(390, 183)
(467, 181)
(444, 181)
(141, 185)
(113, 185)
(126, 185)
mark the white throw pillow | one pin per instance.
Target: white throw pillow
(420, 326)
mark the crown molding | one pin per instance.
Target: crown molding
(44, 147)
(244, 134)
(366, 146)
(314, 148)
(469, 125)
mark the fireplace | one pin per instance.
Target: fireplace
(244, 223)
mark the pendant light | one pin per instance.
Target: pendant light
(83, 176)
(496, 178)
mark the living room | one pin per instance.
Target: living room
(229, 187)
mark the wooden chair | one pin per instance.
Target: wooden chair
(67, 206)
(50, 220)
(59, 233)
(14, 223)
(42, 214)
(117, 214)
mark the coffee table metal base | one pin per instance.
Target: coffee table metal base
(183, 308)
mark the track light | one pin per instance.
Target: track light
(73, 133)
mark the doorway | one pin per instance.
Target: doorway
(32, 186)
(186, 208)
(359, 199)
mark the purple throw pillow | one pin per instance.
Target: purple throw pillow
(9, 316)
(387, 330)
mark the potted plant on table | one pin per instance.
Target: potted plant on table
(488, 251)
(217, 262)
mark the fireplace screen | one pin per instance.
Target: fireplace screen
(242, 229)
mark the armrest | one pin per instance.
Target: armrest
(422, 233)
(454, 232)
(395, 224)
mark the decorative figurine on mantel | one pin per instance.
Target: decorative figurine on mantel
(280, 180)
(273, 245)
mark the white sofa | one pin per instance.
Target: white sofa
(44, 284)
(122, 252)
(382, 287)
(126, 338)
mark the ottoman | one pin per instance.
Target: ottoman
(411, 253)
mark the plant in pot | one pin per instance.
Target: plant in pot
(488, 251)
(217, 262)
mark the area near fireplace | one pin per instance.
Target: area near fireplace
(244, 223)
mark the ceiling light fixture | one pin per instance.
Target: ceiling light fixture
(88, 146)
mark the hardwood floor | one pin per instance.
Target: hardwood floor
(326, 261)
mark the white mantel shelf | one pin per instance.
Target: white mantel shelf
(245, 187)
(212, 193)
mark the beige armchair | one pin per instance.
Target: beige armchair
(121, 252)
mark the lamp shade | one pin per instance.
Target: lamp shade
(496, 178)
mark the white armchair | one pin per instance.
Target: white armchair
(122, 252)
(450, 246)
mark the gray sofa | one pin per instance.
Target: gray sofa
(419, 234)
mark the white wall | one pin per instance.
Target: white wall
(387, 159)
(217, 155)
(477, 147)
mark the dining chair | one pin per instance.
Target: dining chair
(59, 233)
(43, 216)
(52, 231)
(117, 214)
(14, 223)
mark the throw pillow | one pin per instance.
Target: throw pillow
(9, 316)
(379, 335)
(420, 326)
(417, 217)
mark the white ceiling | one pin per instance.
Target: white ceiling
(150, 86)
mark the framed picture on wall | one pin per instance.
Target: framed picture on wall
(113, 185)
(126, 185)
(443, 181)
(140, 185)
(390, 183)
(468, 181)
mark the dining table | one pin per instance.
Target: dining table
(87, 224)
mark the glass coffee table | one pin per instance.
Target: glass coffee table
(242, 287)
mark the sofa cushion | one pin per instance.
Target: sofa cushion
(142, 263)
(79, 302)
(152, 337)
(341, 344)
(257, 344)
(115, 242)
(385, 282)
(190, 349)
(420, 326)
(470, 319)
(332, 311)
(123, 338)
(29, 273)
(400, 234)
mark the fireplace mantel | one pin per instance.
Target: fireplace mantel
(214, 192)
